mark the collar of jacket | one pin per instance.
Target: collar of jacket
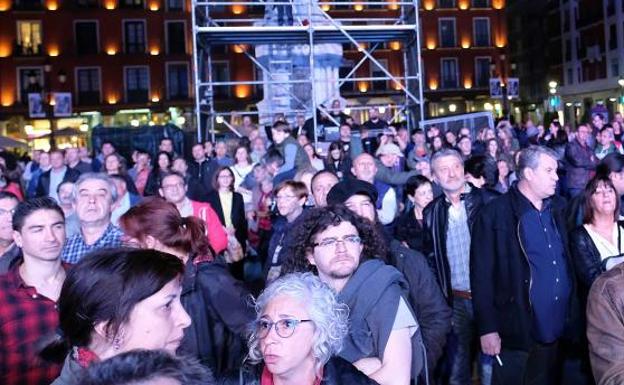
(189, 280)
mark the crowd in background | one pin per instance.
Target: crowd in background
(490, 254)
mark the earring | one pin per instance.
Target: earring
(117, 343)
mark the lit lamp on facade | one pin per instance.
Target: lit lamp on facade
(5, 48)
(465, 42)
(325, 7)
(111, 51)
(5, 5)
(358, 7)
(395, 45)
(238, 9)
(429, 4)
(154, 6)
(452, 107)
(53, 51)
(363, 86)
(52, 5)
(463, 5)
(154, 51)
(431, 43)
(239, 48)
(7, 98)
(393, 6)
(498, 4)
(501, 41)
(397, 86)
(242, 91)
(468, 83)
(155, 99)
(110, 4)
(433, 84)
(112, 99)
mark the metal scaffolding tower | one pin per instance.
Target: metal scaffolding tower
(312, 27)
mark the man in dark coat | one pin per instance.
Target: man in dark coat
(580, 160)
(521, 275)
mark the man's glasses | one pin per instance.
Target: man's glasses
(284, 327)
(347, 240)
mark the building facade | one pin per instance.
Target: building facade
(124, 62)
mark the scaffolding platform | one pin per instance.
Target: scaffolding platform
(313, 27)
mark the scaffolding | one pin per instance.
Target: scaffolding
(312, 26)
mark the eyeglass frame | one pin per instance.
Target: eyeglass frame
(356, 240)
(273, 325)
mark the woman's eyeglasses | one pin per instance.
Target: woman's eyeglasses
(284, 327)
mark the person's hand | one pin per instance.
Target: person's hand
(491, 344)
(368, 365)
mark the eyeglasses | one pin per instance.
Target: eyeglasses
(347, 240)
(284, 327)
(169, 187)
(5, 212)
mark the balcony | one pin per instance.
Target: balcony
(22, 50)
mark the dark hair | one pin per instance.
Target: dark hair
(273, 156)
(8, 195)
(335, 145)
(590, 189)
(163, 139)
(613, 162)
(105, 286)
(28, 207)
(280, 125)
(122, 163)
(414, 182)
(156, 166)
(321, 172)
(142, 366)
(215, 177)
(162, 220)
(318, 219)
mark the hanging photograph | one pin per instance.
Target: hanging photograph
(62, 104)
(35, 106)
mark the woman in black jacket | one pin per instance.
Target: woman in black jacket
(298, 331)
(217, 304)
(162, 165)
(601, 236)
(230, 208)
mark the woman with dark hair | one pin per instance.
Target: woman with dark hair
(216, 303)
(115, 164)
(7, 185)
(601, 236)
(337, 160)
(242, 165)
(409, 226)
(162, 165)
(230, 207)
(117, 300)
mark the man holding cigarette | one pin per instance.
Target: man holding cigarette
(521, 275)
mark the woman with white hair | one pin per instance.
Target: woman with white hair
(297, 333)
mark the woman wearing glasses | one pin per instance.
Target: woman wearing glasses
(298, 330)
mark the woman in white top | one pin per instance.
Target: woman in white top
(315, 160)
(597, 244)
(242, 165)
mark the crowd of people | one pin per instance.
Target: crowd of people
(396, 257)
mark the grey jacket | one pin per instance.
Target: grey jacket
(70, 374)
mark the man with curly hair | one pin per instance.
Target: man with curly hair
(345, 251)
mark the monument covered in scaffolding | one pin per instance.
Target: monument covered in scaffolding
(298, 49)
(285, 62)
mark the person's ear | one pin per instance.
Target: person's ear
(310, 257)
(151, 242)
(17, 238)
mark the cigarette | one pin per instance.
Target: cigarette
(499, 360)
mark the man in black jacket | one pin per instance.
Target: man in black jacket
(59, 173)
(201, 170)
(448, 226)
(432, 312)
(521, 274)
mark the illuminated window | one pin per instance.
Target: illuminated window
(29, 37)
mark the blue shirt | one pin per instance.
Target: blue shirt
(76, 248)
(551, 284)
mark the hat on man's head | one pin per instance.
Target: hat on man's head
(348, 188)
(389, 149)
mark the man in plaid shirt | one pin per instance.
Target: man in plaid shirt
(29, 292)
(94, 194)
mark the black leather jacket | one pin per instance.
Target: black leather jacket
(435, 218)
(586, 257)
(336, 371)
